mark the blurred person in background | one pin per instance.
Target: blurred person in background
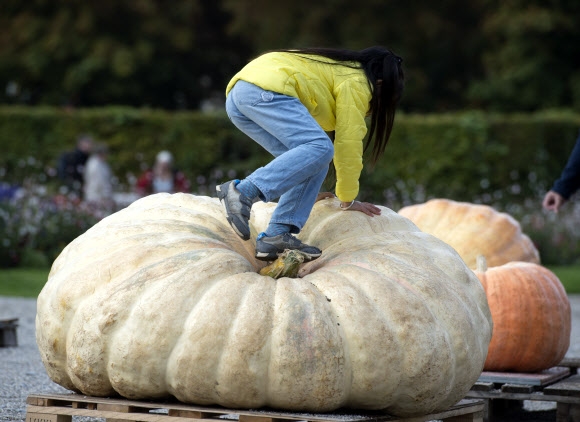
(98, 178)
(71, 164)
(163, 177)
(567, 184)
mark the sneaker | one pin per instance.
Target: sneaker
(269, 248)
(237, 208)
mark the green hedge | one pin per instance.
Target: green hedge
(507, 161)
(464, 156)
(134, 136)
(474, 156)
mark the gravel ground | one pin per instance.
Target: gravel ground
(22, 372)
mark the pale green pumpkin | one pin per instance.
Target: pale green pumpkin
(162, 298)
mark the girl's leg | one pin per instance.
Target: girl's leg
(237, 198)
(286, 211)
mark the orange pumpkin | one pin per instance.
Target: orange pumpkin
(472, 230)
(531, 317)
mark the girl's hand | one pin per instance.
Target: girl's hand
(324, 195)
(364, 207)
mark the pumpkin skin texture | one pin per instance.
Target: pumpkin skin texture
(162, 298)
(531, 315)
(472, 230)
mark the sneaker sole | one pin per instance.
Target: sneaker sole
(271, 256)
(233, 226)
(222, 196)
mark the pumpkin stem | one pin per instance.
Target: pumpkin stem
(481, 263)
(286, 265)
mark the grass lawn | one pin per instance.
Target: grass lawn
(569, 276)
(28, 282)
(22, 282)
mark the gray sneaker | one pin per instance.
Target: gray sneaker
(268, 248)
(237, 208)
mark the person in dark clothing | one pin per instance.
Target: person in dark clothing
(567, 184)
(71, 164)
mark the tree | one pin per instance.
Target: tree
(439, 41)
(133, 52)
(531, 55)
(489, 54)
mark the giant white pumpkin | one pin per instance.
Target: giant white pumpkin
(162, 298)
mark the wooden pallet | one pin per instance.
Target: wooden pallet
(62, 407)
(503, 391)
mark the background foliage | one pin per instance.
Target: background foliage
(516, 55)
(490, 111)
(467, 156)
(507, 161)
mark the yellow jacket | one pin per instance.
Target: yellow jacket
(336, 96)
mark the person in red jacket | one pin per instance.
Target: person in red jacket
(163, 177)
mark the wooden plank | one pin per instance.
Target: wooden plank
(193, 414)
(91, 403)
(126, 410)
(567, 387)
(41, 417)
(34, 400)
(461, 408)
(497, 394)
(535, 396)
(539, 378)
(517, 388)
(117, 407)
(570, 362)
(46, 411)
(314, 417)
(84, 405)
(482, 386)
(45, 401)
(470, 409)
(254, 418)
(205, 411)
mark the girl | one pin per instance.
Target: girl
(286, 101)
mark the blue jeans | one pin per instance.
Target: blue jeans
(303, 151)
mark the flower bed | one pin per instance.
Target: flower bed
(39, 217)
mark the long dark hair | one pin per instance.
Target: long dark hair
(384, 72)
